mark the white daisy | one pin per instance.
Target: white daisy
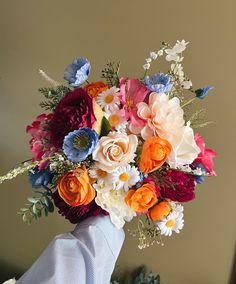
(109, 99)
(125, 177)
(103, 178)
(173, 222)
(117, 121)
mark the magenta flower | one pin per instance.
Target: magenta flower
(205, 157)
(40, 142)
(178, 186)
(75, 110)
(79, 213)
(132, 92)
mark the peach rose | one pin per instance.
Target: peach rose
(93, 89)
(155, 152)
(75, 188)
(115, 150)
(142, 199)
(159, 211)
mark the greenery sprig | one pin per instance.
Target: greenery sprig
(53, 96)
(140, 276)
(37, 206)
(111, 73)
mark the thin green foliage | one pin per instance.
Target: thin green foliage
(111, 73)
(53, 96)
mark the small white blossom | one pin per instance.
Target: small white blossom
(160, 52)
(148, 60)
(171, 57)
(146, 66)
(172, 53)
(180, 46)
(153, 55)
(187, 84)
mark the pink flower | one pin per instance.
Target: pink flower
(132, 92)
(205, 157)
(40, 144)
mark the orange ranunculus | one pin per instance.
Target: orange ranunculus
(142, 199)
(159, 211)
(155, 152)
(93, 89)
(75, 188)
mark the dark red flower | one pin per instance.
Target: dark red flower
(75, 110)
(178, 186)
(78, 213)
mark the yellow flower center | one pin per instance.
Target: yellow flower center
(101, 173)
(130, 103)
(170, 223)
(109, 98)
(124, 177)
(114, 119)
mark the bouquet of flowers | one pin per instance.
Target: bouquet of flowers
(122, 147)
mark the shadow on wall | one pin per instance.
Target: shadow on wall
(233, 270)
(8, 271)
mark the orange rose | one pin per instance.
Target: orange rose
(159, 211)
(155, 152)
(75, 188)
(142, 199)
(93, 89)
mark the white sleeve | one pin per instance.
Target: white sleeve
(85, 256)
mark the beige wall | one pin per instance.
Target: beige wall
(48, 34)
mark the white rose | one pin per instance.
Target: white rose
(116, 149)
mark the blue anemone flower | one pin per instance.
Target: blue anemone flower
(79, 144)
(200, 179)
(203, 92)
(40, 178)
(159, 83)
(77, 72)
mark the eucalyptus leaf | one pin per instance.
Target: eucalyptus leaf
(32, 200)
(34, 208)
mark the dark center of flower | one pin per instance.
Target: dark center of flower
(81, 141)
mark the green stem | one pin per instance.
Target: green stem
(188, 102)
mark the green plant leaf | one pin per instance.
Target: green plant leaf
(106, 127)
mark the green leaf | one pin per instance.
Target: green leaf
(106, 127)
(24, 217)
(34, 208)
(23, 210)
(38, 213)
(48, 203)
(32, 200)
(45, 212)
